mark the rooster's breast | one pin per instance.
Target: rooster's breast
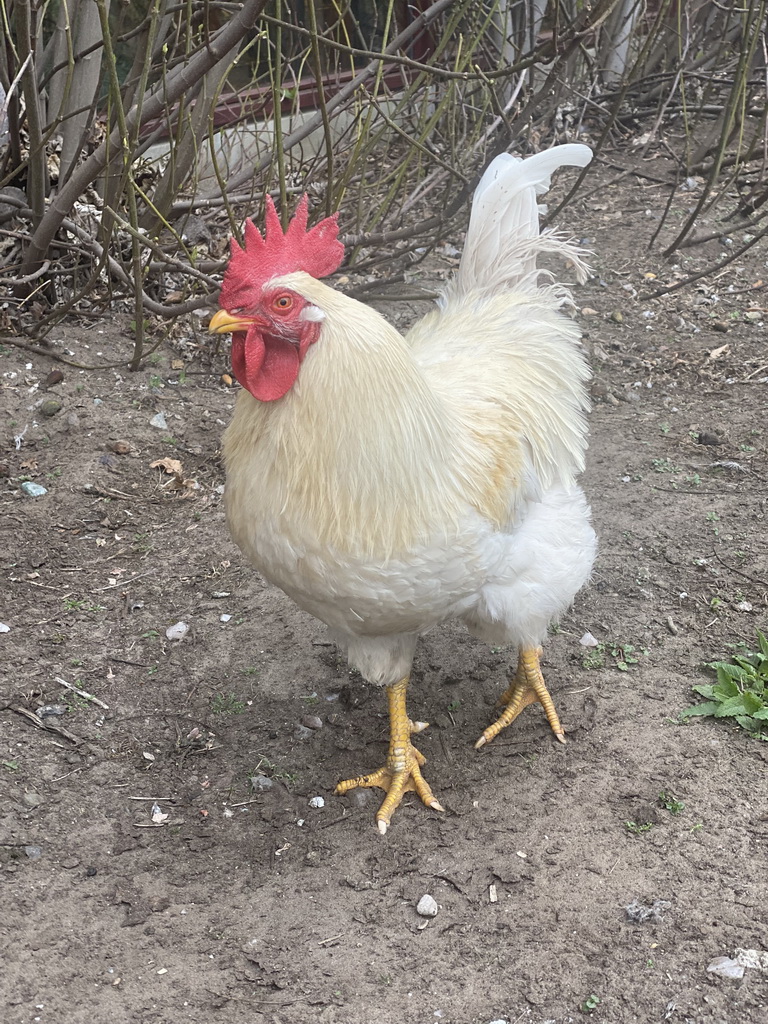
(362, 594)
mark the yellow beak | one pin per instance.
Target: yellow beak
(227, 323)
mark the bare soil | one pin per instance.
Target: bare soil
(144, 875)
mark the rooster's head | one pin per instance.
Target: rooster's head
(272, 326)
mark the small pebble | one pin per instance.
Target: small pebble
(50, 407)
(427, 906)
(120, 447)
(33, 852)
(588, 641)
(317, 802)
(757, 959)
(109, 462)
(724, 967)
(178, 631)
(709, 437)
(312, 722)
(53, 378)
(224, 618)
(639, 913)
(33, 490)
(359, 797)
(70, 862)
(49, 710)
(261, 783)
(159, 421)
(4, 628)
(32, 799)
(301, 732)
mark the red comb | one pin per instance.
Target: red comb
(318, 252)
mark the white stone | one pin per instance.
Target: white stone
(757, 959)
(724, 967)
(427, 906)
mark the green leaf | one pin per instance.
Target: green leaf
(747, 723)
(731, 707)
(763, 642)
(726, 687)
(751, 665)
(752, 702)
(761, 715)
(710, 708)
(735, 675)
(705, 689)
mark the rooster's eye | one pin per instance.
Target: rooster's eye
(283, 303)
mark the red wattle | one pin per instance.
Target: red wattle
(265, 366)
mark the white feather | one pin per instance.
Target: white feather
(503, 238)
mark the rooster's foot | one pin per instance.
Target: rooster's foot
(402, 772)
(526, 688)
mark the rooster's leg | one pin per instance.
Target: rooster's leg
(526, 688)
(402, 772)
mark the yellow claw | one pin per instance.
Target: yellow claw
(526, 688)
(402, 772)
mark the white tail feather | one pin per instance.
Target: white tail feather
(503, 238)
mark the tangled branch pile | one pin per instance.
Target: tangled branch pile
(134, 140)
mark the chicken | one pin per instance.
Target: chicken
(388, 483)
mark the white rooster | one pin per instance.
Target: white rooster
(388, 483)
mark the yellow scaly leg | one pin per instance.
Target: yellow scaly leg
(526, 688)
(402, 772)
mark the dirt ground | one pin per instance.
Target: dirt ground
(159, 857)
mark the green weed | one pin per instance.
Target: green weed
(623, 654)
(740, 693)
(267, 766)
(669, 803)
(638, 829)
(227, 704)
